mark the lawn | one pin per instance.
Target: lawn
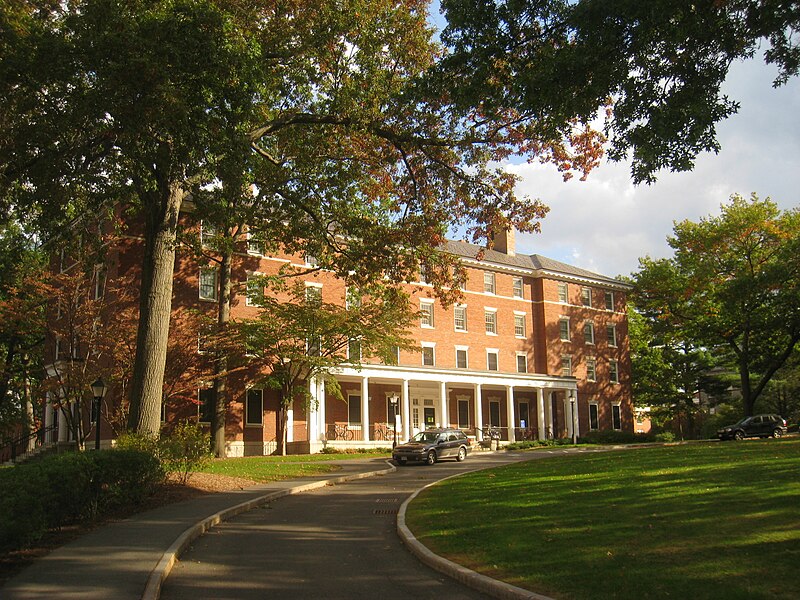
(697, 521)
(274, 468)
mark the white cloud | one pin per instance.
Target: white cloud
(605, 224)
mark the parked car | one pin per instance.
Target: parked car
(433, 445)
(755, 426)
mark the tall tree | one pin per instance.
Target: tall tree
(733, 285)
(300, 337)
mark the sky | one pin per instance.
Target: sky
(606, 223)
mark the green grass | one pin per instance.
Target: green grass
(696, 521)
(274, 468)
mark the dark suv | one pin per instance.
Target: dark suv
(431, 445)
(755, 426)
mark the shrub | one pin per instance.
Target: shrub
(665, 436)
(69, 488)
(184, 450)
(612, 436)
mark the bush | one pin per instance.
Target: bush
(184, 450)
(612, 436)
(665, 436)
(70, 488)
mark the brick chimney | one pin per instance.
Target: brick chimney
(504, 242)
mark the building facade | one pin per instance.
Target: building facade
(536, 349)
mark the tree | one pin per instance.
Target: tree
(657, 67)
(298, 338)
(733, 286)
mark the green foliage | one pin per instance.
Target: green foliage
(70, 488)
(185, 449)
(666, 436)
(532, 444)
(611, 436)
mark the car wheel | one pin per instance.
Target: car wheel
(462, 454)
(431, 458)
(776, 433)
(738, 436)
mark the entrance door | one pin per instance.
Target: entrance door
(430, 417)
(524, 421)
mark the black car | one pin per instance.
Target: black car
(432, 445)
(755, 426)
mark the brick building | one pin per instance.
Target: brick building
(537, 348)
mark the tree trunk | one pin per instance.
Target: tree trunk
(155, 305)
(221, 364)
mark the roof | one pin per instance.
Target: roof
(532, 262)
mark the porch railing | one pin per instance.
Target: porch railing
(19, 446)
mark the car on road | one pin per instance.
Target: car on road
(432, 445)
(755, 426)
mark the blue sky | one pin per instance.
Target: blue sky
(606, 223)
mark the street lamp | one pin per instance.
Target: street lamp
(394, 399)
(572, 412)
(99, 390)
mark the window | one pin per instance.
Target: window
(517, 288)
(208, 283)
(586, 296)
(254, 411)
(394, 358)
(609, 300)
(519, 326)
(593, 418)
(423, 275)
(313, 294)
(563, 293)
(591, 369)
(488, 282)
(415, 418)
(354, 350)
(566, 366)
(460, 317)
(494, 413)
(207, 233)
(463, 414)
(461, 358)
(99, 281)
(311, 260)
(352, 298)
(490, 318)
(426, 314)
(203, 340)
(616, 417)
(254, 245)
(253, 291)
(205, 406)
(613, 371)
(57, 349)
(611, 334)
(428, 356)
(563, 329)
(522, 363)
(491, 360)
(354, 409)
(588, 333)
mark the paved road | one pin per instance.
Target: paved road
(337, 542)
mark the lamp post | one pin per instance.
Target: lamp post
(572, 413)
(394, 399)
(99, 390)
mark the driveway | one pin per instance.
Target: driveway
(336, 542)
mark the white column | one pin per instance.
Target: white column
(510, 412)
(548, 416)
(312, 418)
(444, 413)
(290, 422)
(48, 418)
(540, 413)
(321, 397)
(567, 414)
(575, 419)
(365, 408)
(478, 412)
(63, 430)
(406, 411)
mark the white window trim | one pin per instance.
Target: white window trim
(200, 284)
(569, 331)
(589, 416)
(487, 309)
(466, 323)
(432, 346)
(249, 236)
(514, 289)
(594, 378)
(612, 344)
(524, 325)
(615, 363)
(429, 305)
(619, 407)
(590, 324)
(613, 300)
(516, 361)
(584, 288)
(496, 352)
(246, 399)
(464, 349)
(566, 292)
(494, 283)
(568, 357)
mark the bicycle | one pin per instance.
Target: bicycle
(525, 434)
(491, 433)
(340, 432)
(383, 433)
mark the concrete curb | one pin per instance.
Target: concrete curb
(158, 575)
(482, 583)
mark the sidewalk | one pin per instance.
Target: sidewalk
(129, 559)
